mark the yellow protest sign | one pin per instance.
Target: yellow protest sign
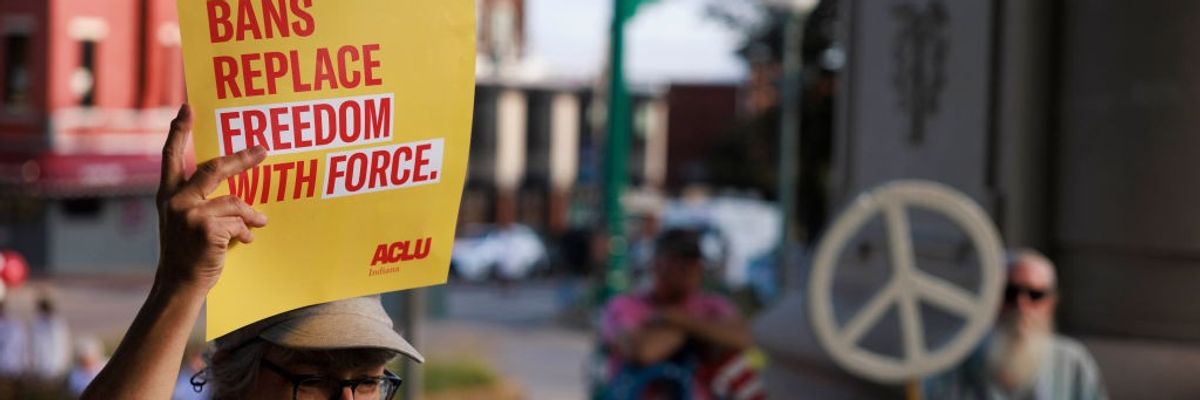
(364, 107)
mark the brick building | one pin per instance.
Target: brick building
(86, 89)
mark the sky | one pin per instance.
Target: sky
(668, 41)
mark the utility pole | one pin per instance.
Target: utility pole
(616, 152)
(413, 301)
(789, 125)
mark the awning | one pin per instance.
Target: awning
(78, 175)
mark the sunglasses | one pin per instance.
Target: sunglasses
(1013, 292)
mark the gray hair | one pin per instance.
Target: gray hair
(232, 372)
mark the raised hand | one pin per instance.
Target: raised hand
(194, 230)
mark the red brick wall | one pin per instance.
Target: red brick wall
(25, 131)
(698, 115)
(138, 68)
(116, 54)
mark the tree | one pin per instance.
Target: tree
(749, 156)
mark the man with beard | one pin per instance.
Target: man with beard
(1024, 358)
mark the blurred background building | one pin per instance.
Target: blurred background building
(89, 86)
(85, 91)
(1069, 122)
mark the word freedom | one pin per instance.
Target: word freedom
(306, 126)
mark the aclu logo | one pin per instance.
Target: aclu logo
(401, 251)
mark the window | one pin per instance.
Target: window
(537, 138)
(16, 70)
(83, 208)
(83, 82)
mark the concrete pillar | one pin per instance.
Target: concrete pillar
(1022, 124)
(655, 163)
(511, 121)
(564, 157)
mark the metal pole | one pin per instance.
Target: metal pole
(789, 136)
(616, 154)
(413, 314)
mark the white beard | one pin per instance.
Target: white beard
(1014, 358)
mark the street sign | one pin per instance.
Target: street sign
(908, 286)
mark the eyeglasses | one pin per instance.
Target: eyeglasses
(1012, 292)
(314, 387)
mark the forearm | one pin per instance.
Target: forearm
(652, 345)
(146, 363)
(730, 335)
(195, 231)
(654, 349)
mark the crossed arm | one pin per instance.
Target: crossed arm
(659, 339)
(194, 234)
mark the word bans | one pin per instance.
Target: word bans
(383, 168)
(270, 19)
(306, 126)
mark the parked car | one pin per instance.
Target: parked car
(512, 252)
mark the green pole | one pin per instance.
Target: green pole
(616, 154)
(789, 138)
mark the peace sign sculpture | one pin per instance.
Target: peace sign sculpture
(908, 286)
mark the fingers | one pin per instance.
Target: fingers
(173, 151)
(210, 174)
(227, 218)
(228, 229)
(240, 231)
(231, 206)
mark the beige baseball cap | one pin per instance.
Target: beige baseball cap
(351, 323)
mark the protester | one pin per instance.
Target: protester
(323, 351)
(50, 341)
(1024, 358)
(193, 364)
(13, 354)
(677, 332)
(89, 360)
(641, 245)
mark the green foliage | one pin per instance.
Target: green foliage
(457, 375)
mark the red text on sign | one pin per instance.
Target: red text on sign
(280, 182)
(272, 19)
(305, 126)
(383, 168)
(404, 250)
(259, 74)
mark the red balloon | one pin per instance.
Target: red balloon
(15, 269)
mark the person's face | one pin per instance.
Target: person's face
(676, 276)
(1029, 298)
(649, 226)
(273, 385)
(45, 307)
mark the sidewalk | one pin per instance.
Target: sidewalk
(512, 330)
(102, 306)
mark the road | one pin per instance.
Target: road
(518, 331)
